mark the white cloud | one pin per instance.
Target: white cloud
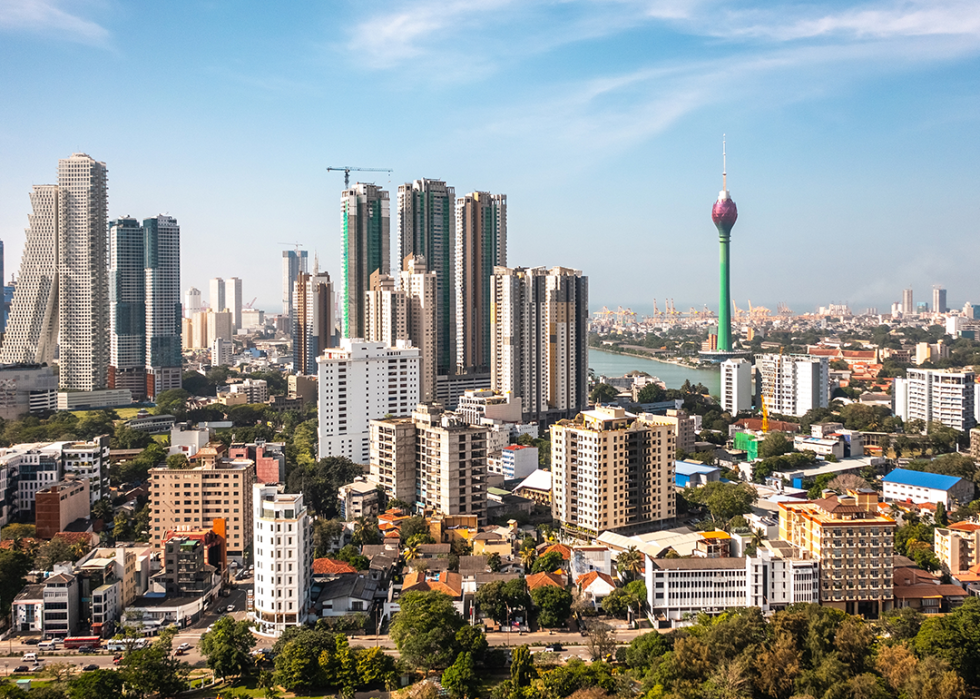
(47, 16)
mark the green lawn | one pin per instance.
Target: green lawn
(123, 413)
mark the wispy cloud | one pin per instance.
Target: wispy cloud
(45, 16)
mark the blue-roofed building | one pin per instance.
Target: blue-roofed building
(692, 473)
(920, 487)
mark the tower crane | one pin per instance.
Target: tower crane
(346, 169)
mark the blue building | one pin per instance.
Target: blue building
(690, 473)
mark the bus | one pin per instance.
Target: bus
(121, 644)
(73, 642)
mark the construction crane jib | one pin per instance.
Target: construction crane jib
(347, 169)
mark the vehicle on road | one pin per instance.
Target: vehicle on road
(37, 667)
(230, 608)
(184, 646)
(90, 667)
(554, 648)
(78, 642)
(20, 668)
(30, 657)
(48, 645)
(180, 652)
(31, 641)
(86, 649)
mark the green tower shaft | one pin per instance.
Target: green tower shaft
(724, 297)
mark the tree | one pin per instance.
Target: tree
(343, 666)
(554, 605)
(59, 672)
(424, 631)
(723, 500)
(18, 531)
(940, 518)
(226, 647)
(177, 462)
(102, 509)
(953, 638)
(58, 550)
(521, 667)
(599, 640)
(493, 562)
(603, 393)
(459, 679)
(155, 669)
(350, 555)
(126, 438)
(366, 531)
(618, 602)
(298, 652)
(629, 563)
(775, 444)
(642, 650)
(326, 532)
(548, 563)
(413, 526)
(375, 668)
(97, 684)
(14, 567)
(528, 556)
(172, 402)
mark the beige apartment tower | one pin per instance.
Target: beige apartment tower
(421, 307)
(193, 498)
(611, 471)
(384, 311)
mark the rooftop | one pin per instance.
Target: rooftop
(921, 479)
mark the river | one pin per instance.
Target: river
(613, 364)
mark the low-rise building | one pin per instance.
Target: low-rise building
(536, 487)
(59, 505)
(88, 460)
(61, 605)
(188, 440)
(921, 487)
(269, 459)
(28, 609)
(694, 474)
(957, 547)
(517, 461)
(359, 499)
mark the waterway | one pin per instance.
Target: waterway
(614, 364)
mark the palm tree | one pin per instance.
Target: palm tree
(630, 562)
(410, 552)
(527, 557)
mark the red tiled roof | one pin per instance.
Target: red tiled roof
(928, 590)
(965, 526)
(585, 580)
(543, 580)
(447, 582)
(328, 566)
(566, 553)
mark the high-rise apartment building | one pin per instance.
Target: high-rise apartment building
(481, 245)
(908, 307)
(233, 301)
(939, 300)
(611, 470)
(736, 385)
(192, 498)
(384, 311)
(32, 330)
(283, 548)
(365, 250)
(163, 312)
(852, 542)
(539, 345)
(192, 302)
(83, 280)
(793, 384)
(936, 395)
(216, 296)
(293, 262)
(358, 382)
(218, 324)
(313, 321)
(426, 232)
(433, 459)
(421, 309)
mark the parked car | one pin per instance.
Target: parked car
(20, 668)
(184, 646)
(553, 648)
(89, 668)
(86, 649)
(37, 667)
(31, 641)
(230, 608)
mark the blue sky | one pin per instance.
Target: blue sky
(853, 144)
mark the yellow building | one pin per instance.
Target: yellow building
(611, 471)
(957, 547)
(852, 542)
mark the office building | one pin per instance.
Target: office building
(27, 388)
(218, 324)
(736, 385)
(539, 339)
(61, 605)
(852, 543)
(908, 307)
(365, 250)
(384, 311)
(216, 296)
(283, 549)
(293, 263)
(193, 498)
(358, 382)
(939, 300)
(936, 395)
(481, 245)
(903, 485)
(611, 470)
(163, 312)
(89, 461)
(222, 352)
(421, 316)
(793, 384)
(192, 302)
(517, 461)
(233, 301)
(432, 459)
(269, 458)
(313, 320)
(59, 505)
(426, 233)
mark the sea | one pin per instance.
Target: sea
(613, 364)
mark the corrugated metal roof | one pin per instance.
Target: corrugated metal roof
(921, 479)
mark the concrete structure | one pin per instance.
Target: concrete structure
(937, 395)
(188, 440)
(222, 352)
(539, 348)
(193, 498)
(908, 307)
(694, 474)
(27, 388)
(219, 324)
(93, 400)
(358, 499)
(302, 387)
(254, 390)
(724, 213)
(736, 385)
(28, 468)
(611, 471)
(682, 425)
(59, 505)
(89, 461)
(481, 245)
(939, 300)
(852, 543)
(793, 384)
(313, 321)
(958, 547)
(434, 458)
(233, 301)
(193, 302)
(921, 487)
(293, 263)
(60, 605)
(384, 311)
(358, 382)
(426, 234)
(422, 321)
(163, 312)
(365, 250)
(975, 442)
(269, 458)
(216, 296)
(27, 611)
(518, 461)
(283, 549)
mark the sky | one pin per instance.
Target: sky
(853, 133)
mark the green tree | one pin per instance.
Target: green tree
(954, 638)
(493, 562)
(723, 500)
(172, 402)
(424, 631)
(97, 684)
(344, 666)
(177, 462)
(18, 531)
(775, 444)
(629, 563)
(603, 393)
(643, 650)
(298, 659)
(375, 668)
(155, 669)
(125, 438)
(459, 679)
(548, 563)
(554, 604)
(226, 647)
(618, 602)
(102, 509)
(521, 667)
(940, 518)
(58, 550)
(414, 526)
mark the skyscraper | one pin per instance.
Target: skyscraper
(426, 231)
(293, 262)
(216, 296)
(938, 299)
(192, 302)
(384, 311)
(233, 301)
(32, 330)
(908, 307)
(365, 250)
(127, 306)
(163, 311)
(724, 213)
(481, 245)
(421, 306)
(4, 309)
(539, 347)
(313, 321)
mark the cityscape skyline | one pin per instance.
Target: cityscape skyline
(807, 95)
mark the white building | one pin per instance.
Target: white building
(255, 390)
(27, 388)
(736, 385)
(283, 549)
(359, 382)
(192, 302)
(384, 311)
(88, 460)
(216, 295)
(793, 384)
(518, 461)
(921, 487)
(222, 352)
(233, 301)
(188, 440)
(937, 395)
(680, 588)
(421, 317)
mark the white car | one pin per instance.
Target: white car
(230, 608)
(184, 646)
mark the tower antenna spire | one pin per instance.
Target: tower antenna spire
(724, 165)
